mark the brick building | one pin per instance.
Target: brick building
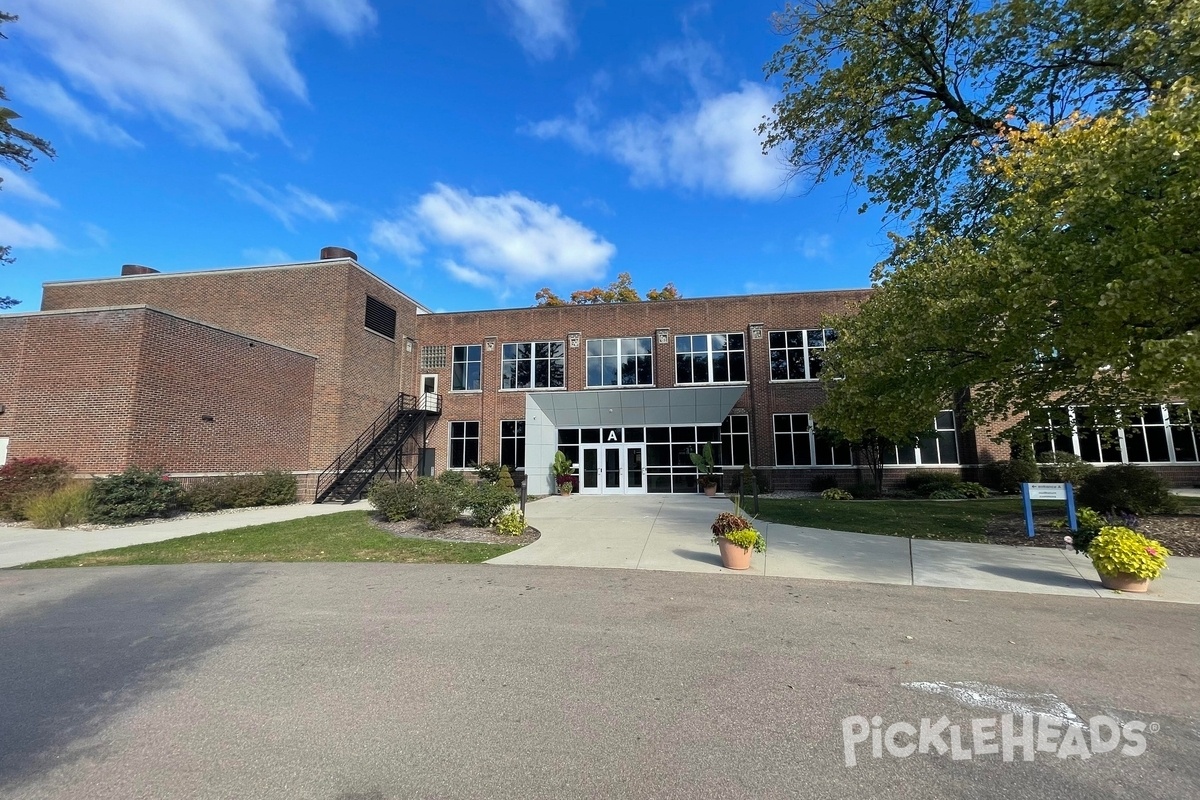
(287, 366)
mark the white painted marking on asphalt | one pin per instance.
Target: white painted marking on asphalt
(1006, 701)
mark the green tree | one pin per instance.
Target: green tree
(619, 291)
(16, 147)
(1082, 286)
(907, 97)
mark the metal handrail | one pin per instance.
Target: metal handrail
(351, 455)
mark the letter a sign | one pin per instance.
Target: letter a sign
(612, 437)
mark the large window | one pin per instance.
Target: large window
(938, 447)
(1161, 434)
(464, 444)
(796, 355)
(710, 358)
(533, 365)
(468, 362)
(735, 441)
(620, 362)
(798, 444)
(512, 443)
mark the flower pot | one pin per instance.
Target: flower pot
(711, 490)
(1124, 582)
(732, 556)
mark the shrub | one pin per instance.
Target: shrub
(1124, 487)
(487, 501)
(488, 472)
(1007, 476)
(272, 488)
(836, 494)
(505, 481)
(1064, 468)
(395, 500)
(65, 506)
(1117, 550)
(823, 482)
(946, 494)
(25, 478)
(510, 523)
(864, 491)
(972, 490)
(439, 502)
(135, 494)
(925, 483)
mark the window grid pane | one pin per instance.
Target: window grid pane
(533, 365)
(710, 358)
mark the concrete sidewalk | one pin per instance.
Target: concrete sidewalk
(671, 532)
(26, 545)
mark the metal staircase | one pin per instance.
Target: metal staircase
(391, 444)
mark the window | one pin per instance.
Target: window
(1185, 436)
(468, 359)
(669, 466)
(735, 441)
(710, 358)
(796, 355)
(464, 444)
(380, 318)
(937, 447)
(433, 356)
(799, 444)
(533, 365)
(1161, 434)
(512, 443)
(620, 362)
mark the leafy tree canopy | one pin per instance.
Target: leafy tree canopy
(16, 147)
(619, 291)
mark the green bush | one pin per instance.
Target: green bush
(510, 523)
(272, 488)
(488, 472)
(22, 479)
(1064, 468)
(946, 494)
(1124, 487)
(972, 490)
(1007, 476)
(505, 480)
(926, 482)
(1117, 550)
(439, 502)
(135, 494)
(65, 506)
(836, 494)
(395, 500)
(864, 490)
(486, 501)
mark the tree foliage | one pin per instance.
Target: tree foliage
(619, 291)
(17, 147)
(1081, 288)
(896, 93)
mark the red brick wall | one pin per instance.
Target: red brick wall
(705, 315)
(12, 351)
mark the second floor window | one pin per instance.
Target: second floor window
(710, 358)
(620, 362)
(796, 355)
(468, 361)
(533, 365)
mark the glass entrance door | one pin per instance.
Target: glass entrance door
(613, 469)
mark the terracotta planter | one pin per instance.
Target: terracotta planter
(711, 490)
(732, 556)
(1124, 582)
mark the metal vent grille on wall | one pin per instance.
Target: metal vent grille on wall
(380, 318)
(433, 356)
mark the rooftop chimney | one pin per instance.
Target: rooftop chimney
(328, 253)
(136, 269)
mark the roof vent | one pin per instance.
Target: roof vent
(328, 253)
(136, 269)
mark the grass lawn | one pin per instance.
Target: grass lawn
(955, 521)
(347, 536)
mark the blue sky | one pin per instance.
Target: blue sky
(469, 152)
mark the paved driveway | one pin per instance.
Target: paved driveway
(671, 532)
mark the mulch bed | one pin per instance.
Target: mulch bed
(454, 532)
(1179, 533)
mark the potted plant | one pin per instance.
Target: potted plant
(1126, 560)
(737, 539)
(707, 467)
(564, 477)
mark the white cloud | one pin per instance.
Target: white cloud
(712, 147)
(200, 67)
(815, 246)
(495, 239)
(286, 205)
(52, 98)
(18, 184)
(97, 234)
(541, 26)
(267, 255)
(21, 234)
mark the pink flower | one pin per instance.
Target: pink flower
(1152, 551)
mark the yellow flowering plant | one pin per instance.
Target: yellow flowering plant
(1118, 550)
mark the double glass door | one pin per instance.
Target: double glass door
(613, 469)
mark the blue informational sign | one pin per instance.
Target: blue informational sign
(1048, 491)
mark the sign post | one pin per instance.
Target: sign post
(1048, 491)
